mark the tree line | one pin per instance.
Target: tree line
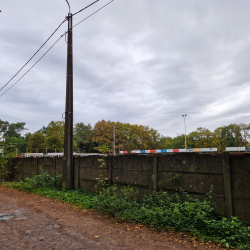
(88, 139)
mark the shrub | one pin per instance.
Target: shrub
(159, 210)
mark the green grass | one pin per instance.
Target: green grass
(159, 210)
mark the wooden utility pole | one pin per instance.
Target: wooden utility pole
(67, 182)
(114, 140)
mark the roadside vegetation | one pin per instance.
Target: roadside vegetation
(159, 210)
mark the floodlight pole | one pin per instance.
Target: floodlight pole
(67, 182)
(184, 116)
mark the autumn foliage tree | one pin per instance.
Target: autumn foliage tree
(103, 134)
(127, 136)
(141, 137)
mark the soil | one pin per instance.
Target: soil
(29, 221)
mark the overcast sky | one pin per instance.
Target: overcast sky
(139, 62)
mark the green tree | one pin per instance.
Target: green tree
(11, 135)
(14, 130)
(245, 132)
(201, 138)
(25, 145)
(217, 140)
(165, 142)
(83, 137)
(8, 151)
(235, 135)
(35, 141)
(54, 136)
(179, 142)
(3, 128)
(141, 137)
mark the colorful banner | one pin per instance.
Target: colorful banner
(33, 154)
(196, 150)
(181, 150)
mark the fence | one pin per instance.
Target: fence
(194, 172)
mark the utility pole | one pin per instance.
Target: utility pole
(184, 116)
(114, 140)
(67, 182)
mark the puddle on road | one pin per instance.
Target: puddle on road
(7, 216)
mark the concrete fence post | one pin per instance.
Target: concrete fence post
(54, 166)
(227, 185)
(37, 170)
(155, 173)
(22, 167)
(109, 169)
(76, 163)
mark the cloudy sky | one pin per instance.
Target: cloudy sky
(139, 62)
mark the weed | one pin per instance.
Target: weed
(6, 165)
(171, 176)
(43, 180)
(159, 210)
(102, 179)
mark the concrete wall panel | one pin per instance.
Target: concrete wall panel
(192, 182)
(191, 162)
(46, 165)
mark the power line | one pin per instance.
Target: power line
(33, 64)
(85, 7)
(94, 12)
(49, 48)
(46, 42)
(33, 55)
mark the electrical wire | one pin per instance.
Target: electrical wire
(49, 48)
(33, 64)
(85, 7)
(33, 55)
(94, 12)
(44, 44)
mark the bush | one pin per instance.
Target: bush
(159, 210)
(43, 180)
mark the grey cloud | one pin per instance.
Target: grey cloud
(140, 62)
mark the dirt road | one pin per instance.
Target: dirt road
(29, 221)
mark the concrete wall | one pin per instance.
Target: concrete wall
(240, 179)
(194, 172)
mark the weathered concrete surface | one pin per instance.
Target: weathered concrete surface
(194, 172)
(240, 179)
(30, 167)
